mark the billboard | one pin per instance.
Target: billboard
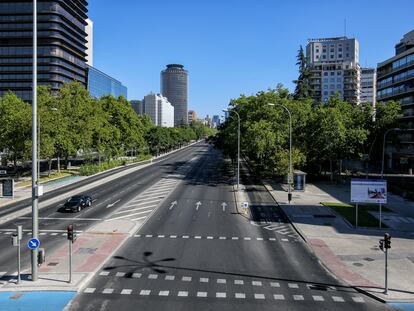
(369, 191)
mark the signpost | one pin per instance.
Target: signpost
(16, 241)
(368, 191)
(71, 239)
(33, 243)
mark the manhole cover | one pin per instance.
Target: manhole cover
(52, 264)
(357, 264)
(86, 250)
(369, 259)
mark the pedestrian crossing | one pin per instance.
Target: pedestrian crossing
(220, 287)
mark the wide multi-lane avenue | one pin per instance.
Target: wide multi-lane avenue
(195, 251)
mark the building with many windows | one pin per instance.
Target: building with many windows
(174, 86)
(159, 109)
(395, 81)
(192, 116)
(368, 86)
(100, 84)
(89, 44)
(61, 44)
(334, 64)
(216, 121)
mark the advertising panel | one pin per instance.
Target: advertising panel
(369, 191)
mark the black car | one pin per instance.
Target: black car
(76, 203)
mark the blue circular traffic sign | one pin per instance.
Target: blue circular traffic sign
(33, 243)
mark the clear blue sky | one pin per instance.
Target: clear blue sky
(233, 47)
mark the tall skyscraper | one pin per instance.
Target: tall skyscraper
(89, 45)
(159, 109)
(334, 64)
(61, 44)
(174, 86)
(368, 85)
(395, 81)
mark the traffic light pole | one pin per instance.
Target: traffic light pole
(386, 272)
(70, 261)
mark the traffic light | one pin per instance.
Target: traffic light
(387, 241)
(381, 244)
(71, 234)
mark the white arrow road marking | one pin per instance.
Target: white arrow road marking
(198, 205)
(224, 205)
(112, 204)
(173, 204)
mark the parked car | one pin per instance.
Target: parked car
(76, 203)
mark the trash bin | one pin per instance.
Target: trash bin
(299, 181)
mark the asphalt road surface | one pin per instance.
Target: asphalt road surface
(106, 197)
(196, 252)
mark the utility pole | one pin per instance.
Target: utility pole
(35, 224)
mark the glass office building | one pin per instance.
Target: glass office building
(61, 44)
(100, 84)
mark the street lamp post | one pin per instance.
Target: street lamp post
(290, 178)
(35, 222)
(238, 147)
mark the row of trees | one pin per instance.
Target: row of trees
(322, 133)
(72, 122)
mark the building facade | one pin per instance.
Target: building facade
(137, 106)
(334, 65)
(61, 44)
(192, 116)
(369, 85)
(215, 121)
(89, 44)
(174, 86)
(100, 84)
(395, 81)
(159, 109)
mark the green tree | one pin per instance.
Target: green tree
(302, 89)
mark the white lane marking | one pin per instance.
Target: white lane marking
(185, 237)
(161, 236)
(104, 273)
(89, 290)
(247, 239)
(112, 204)
(137, 235)
(221, 281)
(338, 299)
(173, 236)
(198, 205)
(42, 233)
(135, 209)
(197, 237)
(221, 295)
(285, 240)
(136, 275)
(223, 205)
(186, 278)
(209, 238)
(298, 297)
(259, 296)
(235, 238)
(173, 204)
(259, 239)
(358, 299)
(139, 218)
(170, 277)
(238, 282)
(129, 215)
(120, 274)
(54, 218)
(274, 284)
(240, 295)
(272, 239)
(318, 298)
(278, 297)
(257, 283)
(54, 233)
(145, 292)
(149, 236)
(108, 291)
(204, 280)
(182, 294)
(222, 238)
(153, 276)
(202, 294)
(293, 285)
(164, 293)
(126, 292)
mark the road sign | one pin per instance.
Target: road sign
(33, 243)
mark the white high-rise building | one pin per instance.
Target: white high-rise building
(159, 109)
(368, 86)
(89, 44)
(334, 64)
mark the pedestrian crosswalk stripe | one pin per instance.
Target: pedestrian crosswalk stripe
(120, 274)
(256, 283)
(153, 276)
(274, 284)
(104, 273)
(145, 292)
(221, 281)
(108, 291)
(298, 297)
(338, 299)
(358, 299)
(278, 297)
(240, 295)
(164, 293)
(204, 280)
(186, 279)
(126, 292)
(221, 295)
(182, 294)
(89, 290)
(238, 282)
(136, 275)
(293, 285)
(318, 298)
(202, 294)
(259, 296)
(170, 277)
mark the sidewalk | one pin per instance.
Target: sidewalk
(353, 254)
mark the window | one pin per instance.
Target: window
(325, 73)
(332, 86)
(347, 54)
(332, 56)
(324, 56)
(339, 55)
(332, 80)
(332, 73)
(332, 50)
(339, 86)
(339, 73)
(325, 80)
(325, 86)
(338, 79)
(325, 93)
(340, 49)
(317, 50)
(323, 50)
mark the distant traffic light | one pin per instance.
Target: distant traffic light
(71, 233)
(381, 244)
(387, 241)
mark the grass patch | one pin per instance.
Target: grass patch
(365, 219)
(45, 178)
